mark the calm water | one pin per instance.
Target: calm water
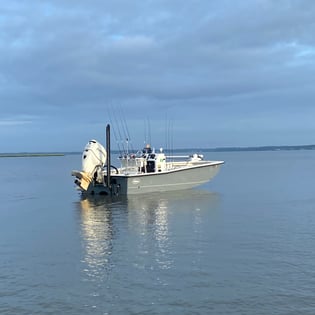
(241, 244)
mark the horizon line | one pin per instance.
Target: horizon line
(215, 149)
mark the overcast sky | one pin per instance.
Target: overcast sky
(214, 73)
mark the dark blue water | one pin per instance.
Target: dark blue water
(242, 244)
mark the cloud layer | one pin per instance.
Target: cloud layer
(226, 72)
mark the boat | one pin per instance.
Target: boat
(145, 171)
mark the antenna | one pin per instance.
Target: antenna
(145, 132)
(115, 132)
(149, 130)
(118, 128)
(170, 137)
(125, 126)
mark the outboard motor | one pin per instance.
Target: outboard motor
(93, 159)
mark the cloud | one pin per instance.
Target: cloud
(68, 61)
(15, 121)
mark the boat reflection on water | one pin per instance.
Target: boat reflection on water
(97, 235)
(138, 228)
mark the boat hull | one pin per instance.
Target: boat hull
(177, 179)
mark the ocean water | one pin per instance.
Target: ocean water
(243, 243)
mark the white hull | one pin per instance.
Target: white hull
(175, 179)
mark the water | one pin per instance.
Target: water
(241, 244)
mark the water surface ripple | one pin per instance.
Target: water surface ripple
(241, 244)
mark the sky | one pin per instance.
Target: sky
(202, 73)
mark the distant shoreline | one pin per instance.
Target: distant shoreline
(4, 155)
(263, 148)
(219, 149)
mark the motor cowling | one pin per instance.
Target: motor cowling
(93, 157)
